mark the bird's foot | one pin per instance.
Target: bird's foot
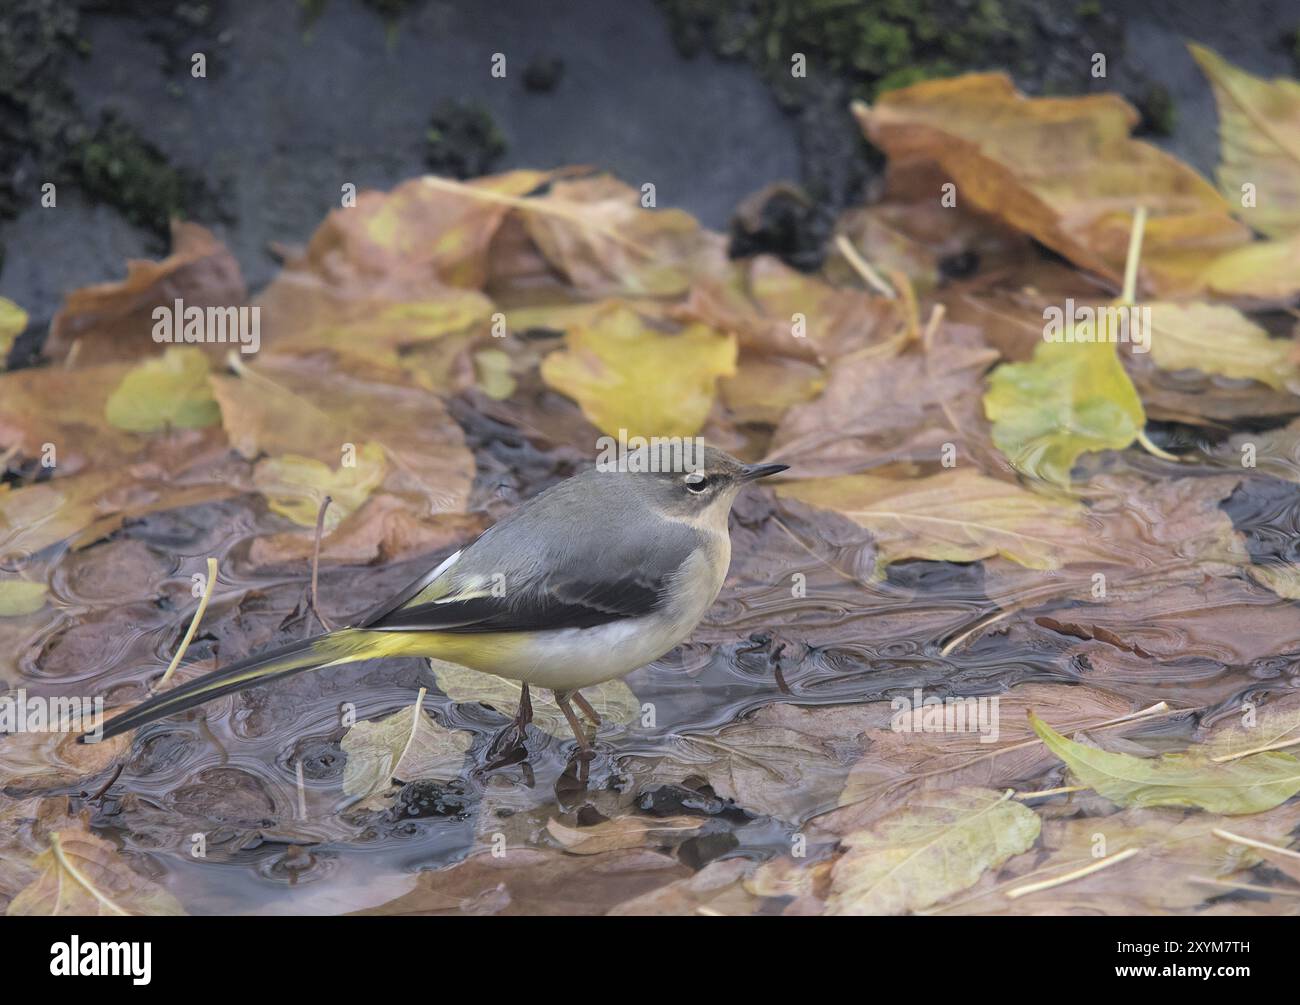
(562, 699)
(510, 743)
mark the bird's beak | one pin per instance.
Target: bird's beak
(753, 472)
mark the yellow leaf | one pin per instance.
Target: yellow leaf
(294, 485)
(1259, 144)
(169, 391)
(1063, 170)
(1071, 398)
(13, 321)
(626, 375)
(1216, 338)
(19, 597)
(1264, 270)
(1249, 785)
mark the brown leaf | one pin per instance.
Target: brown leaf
(1063, 170)
(527, 881)
(114, 321)
(624, 832)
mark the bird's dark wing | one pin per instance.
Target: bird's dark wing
(569, 602)
(501, 583)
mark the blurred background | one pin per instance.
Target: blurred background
(302, 96)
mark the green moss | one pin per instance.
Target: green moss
(876, 45)
(463, 140)
(871, 44)
(1157, 108)
(43, 124)
(117, 166)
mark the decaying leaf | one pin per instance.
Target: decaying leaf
(539, 882)
(784, 761)
(905, 420)
(1215, 338)
(938, 846)
(717, 889)
(1259, 140)
(597, 234)
(1063, 170)
(115, 320)
(19, 597)
(406, 746)
(1248, 785)
(13, 321)
(623, 832)
(82, 874)
(957, 515)
(295, 486)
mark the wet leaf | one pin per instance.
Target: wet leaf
(717, 889)
(782, 761)
(1173, 847)
(406, 746)
(170, 391)
(627, 375)
(957, 515)
(1063, 170)
(537, 882)
(1249, 785)
(36, 761)
(918, 748)
(936, 847)
(1070, 399)
(1282, 579)
(493, 369)
(624, 832)
(19, 597)
(82, 874)
(331, 409)
(907, 418)
(1272, 726)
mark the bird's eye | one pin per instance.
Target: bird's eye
(696, 482)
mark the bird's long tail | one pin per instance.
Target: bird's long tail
(311, 654)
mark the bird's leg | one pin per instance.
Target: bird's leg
(562, 699)
(525, 714)
(586, 708)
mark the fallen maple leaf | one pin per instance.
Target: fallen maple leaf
(1064, 170)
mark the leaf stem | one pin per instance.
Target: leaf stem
(1129, 290)
(194, 623)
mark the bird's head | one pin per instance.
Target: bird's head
(693, 483)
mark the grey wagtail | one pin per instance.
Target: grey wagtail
(598, 575)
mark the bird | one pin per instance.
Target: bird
(594, 577)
